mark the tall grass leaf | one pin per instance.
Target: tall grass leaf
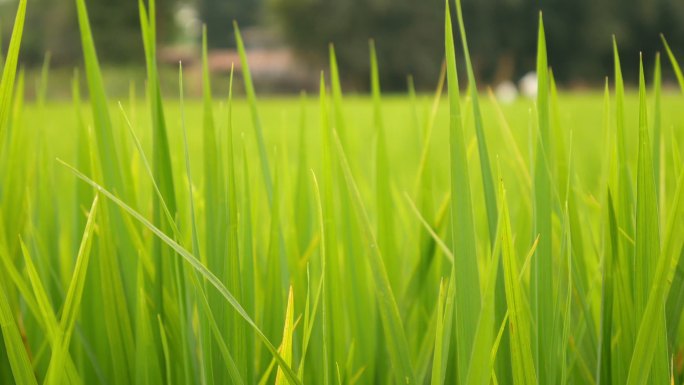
(624, 195)
(237, 334)
(215, 215)
(47, 320)
(42, 84)
(346, 238)
(503, 363)
(188, 174)
(165, 349)
(98, 101)
(656, 135)
(675, 64)
(335, 338)
(256, 119)
(467, 300)
(231, 367)
(116, 265)
(397, 345)
(651, 326)
(610, 252)
(676, 298)
(647, 233)
(163, 177)
(10, 65)
(485, 167)
(542, 266)
(383, 198)
(437, 376)
(196, 265)
(522, 359)
(482, 362)
(301, 204)
(14, 344)
(72, 301)
(287, 343)
(336, 90)
(323, 245)
(83, 193)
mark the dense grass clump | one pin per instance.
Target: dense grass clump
(340, 240)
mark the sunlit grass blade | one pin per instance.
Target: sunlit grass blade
(232, 368)
(647, 226)
(196, 265)
(164, 184)
(14, 344)
(383, 198)
(442, 333)
(541, 282)
(286, 345)
(522, 359)
(397, 345)
(647, 245)
(10, 65)
(651, 327)
(485, 167)
(675, 64)
(237, 333)
(256, 119)
(656, 132)
(482, 361)
(467, 300)
(325, 340)
(72, 302)
(336, 90)
(610, 253)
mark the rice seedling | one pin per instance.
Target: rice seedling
(442, 239)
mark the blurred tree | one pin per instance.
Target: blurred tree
(115, 25)
(501, 35)
(218, 16)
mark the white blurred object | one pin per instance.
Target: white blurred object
(528, 84)
(506, 92)
(187, 18)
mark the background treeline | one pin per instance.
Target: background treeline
(408, 33)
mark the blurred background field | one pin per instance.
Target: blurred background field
(580, 114)
(287, 40)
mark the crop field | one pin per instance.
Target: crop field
(440, 238)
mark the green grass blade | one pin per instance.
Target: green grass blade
(323, 247)
(522, 361)
(542, 266)
(14, 344)
(336, 90)
(482, 361)
(72, 301)
(675, 65)
(611, 250)
(196, 265)
(647, 246)
(467, 300)
(256, 119)
(651, 327)
(286, 345)
(383, 191)
(164, 199)
(442, 335)
(216, 332)
(656, 136)
(647, 226)
(397, 345)
(10, 65)
(485, 166)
